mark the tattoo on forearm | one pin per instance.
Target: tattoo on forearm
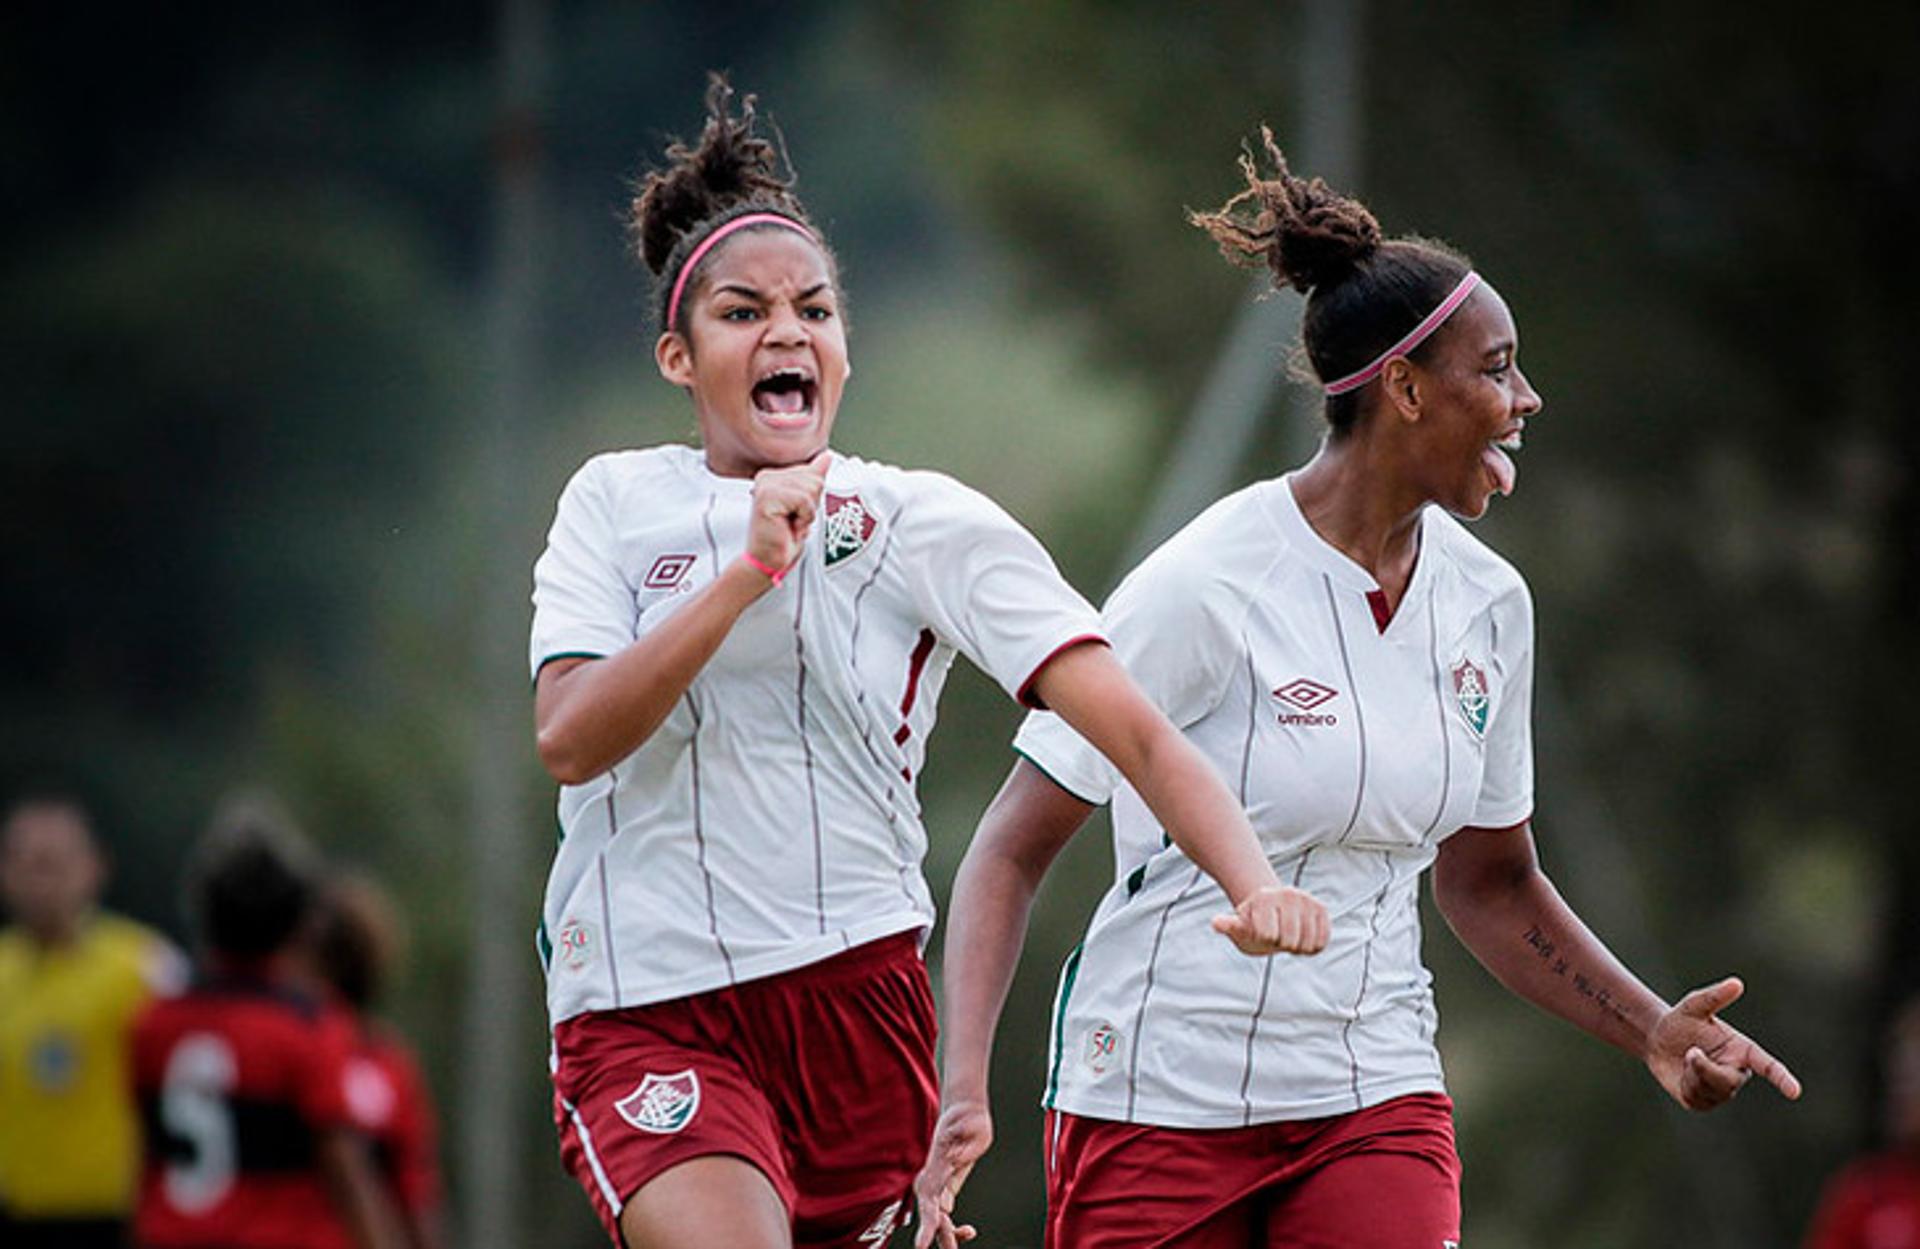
(1549, 954)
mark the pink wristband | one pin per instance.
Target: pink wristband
(775, 575)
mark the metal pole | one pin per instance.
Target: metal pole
(493, 1127)
(1212, 451)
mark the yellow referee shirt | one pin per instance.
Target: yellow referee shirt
(69, 1133)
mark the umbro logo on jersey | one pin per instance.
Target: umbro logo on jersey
(667, 572)
(849, 528)
(1304, 697)
(662, 1104)
(1470, 691)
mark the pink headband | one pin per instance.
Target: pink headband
(712, 240)
(1415, 336)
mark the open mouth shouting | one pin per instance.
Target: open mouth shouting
(787, 397)
(1498, 462)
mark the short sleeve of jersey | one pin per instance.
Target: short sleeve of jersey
(582, 604)
(1174, 625)
(1506, 787)
(987, 587)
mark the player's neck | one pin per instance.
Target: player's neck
(276, 968)
(58, 934)
(1349, 502)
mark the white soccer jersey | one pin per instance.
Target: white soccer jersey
(771, 820)
(1355, 749)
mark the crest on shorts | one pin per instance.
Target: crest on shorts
(882, 1226)
(662, 1104)
(1470, 691)
(1102, 1044)
(849, 527)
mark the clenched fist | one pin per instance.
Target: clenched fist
(1276, 920)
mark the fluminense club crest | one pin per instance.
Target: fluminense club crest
(850, 527)
(662, 1104)
(1470, 691)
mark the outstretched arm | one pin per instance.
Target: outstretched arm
(1489, 886)
(1023, 830)
(1092, 692)
(591, 713)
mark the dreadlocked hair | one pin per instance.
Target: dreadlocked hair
(1364, 291)
(731, 172)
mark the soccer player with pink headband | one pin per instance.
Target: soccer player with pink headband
(738, 648)
(1360, 668)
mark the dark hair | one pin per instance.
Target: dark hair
(358, 938)
(730, 173)
(250, 884)
(1364, 292)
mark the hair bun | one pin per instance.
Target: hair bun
(730, 166)
(1308, 234)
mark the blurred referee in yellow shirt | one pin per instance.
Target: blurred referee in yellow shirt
(72, 978)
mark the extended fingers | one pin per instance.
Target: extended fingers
(1707, 1083)
(937, 1227)
(1772, 1070)
(1703, 1003)
(929, 1198)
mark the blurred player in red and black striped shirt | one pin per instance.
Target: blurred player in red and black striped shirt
(357, 947)
(252, 1139)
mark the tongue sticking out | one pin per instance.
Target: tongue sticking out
(1501, 467)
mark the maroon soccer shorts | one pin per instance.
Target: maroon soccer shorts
(822, 1077)
(1386, 1177)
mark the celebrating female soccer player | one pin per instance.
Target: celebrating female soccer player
(1360, 668)
(738, 649)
